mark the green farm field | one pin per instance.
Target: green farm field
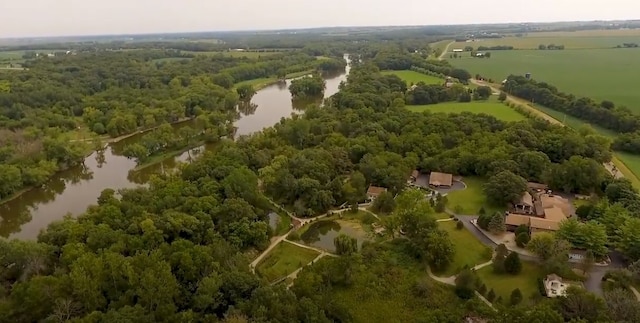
(11, 55)
(234, 54)
(601, 74)
(571, 40)
(411, 77)
(491, 107)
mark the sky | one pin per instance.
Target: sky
(39, 18)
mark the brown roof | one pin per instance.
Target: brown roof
(536, 186)
(440, 179)
(544, 224)
(516, 219)
(554, 214)
(556, 201)
(537, 205)
(415, 173)
(526, 199)
(375, 190)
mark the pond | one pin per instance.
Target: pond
(322, 233)
(73, 190)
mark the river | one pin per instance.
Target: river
(72, 191)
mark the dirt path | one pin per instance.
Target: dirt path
(445, 51)
(635, 292)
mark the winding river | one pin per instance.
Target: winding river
(72, 191)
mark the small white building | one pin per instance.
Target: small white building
(457, 50)
(554, 286)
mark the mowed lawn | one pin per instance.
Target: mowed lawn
(585, 39)
(470, 200)
(601, 74)
(468, 250)
(412, 77)
(284, 259)
(491, 107)
(504, 284)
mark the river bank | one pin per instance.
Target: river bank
(73, 190)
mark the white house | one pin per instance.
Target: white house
(457, 50)
(554, 286)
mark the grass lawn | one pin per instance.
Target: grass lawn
(491, 107)
(504, 284)
(412, 77)
(571, 40)
(468, 250)
(284, 259)
(284, 225)
(440, 216)
(579, 72)
(471, 199)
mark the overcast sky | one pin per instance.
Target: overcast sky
(28, 18)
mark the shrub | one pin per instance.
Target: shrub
(459, 225)
(512, 264)
(522, 239)
(516, 297)
(491, 295)
(521, 228)
(483, 289)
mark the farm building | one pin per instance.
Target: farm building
(457, 50)
(437, 179)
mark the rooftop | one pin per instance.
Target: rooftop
(375, 190)
(440, 179)
(555, 214)
(516, 219)
(526, 199)
(544, 224)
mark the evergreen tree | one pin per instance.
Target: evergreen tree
(516, 297)
(491, 295)
(496, 225)
(512, 264)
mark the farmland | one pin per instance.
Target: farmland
(601, 74)
(490, 107)
(411, 77)
(587, 39)
(237, 54)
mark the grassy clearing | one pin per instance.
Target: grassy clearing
(585, 39)
(491, 107)
(471, 199)
(11, 55)
(284, 259)
(601, 74)
(396, 295)
(412, 77)
(468, 250)
(284, 225)
(504, 284)
(441, 216)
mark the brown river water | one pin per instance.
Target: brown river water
(72, 191)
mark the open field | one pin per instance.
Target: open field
(601, 74)
(411, 77)
(504, 284)
(571, 40)
(284, 259)
(491, 107)
(468, 250)
(471, 199)
(11, 55)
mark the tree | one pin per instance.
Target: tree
(497, 225)
(464, 97)
(465, 284)
(546, 246)
(484, 220)
(10, 180)
(502, 97)
(622, 305)
(245, 92)
(459, 225)
(628, 241)
(512, 264)
(345, 245)
(590, 235)
(384, 203)
(499, 259)
(491, 295)
(587, 262)
(307, 86)
(522, 239)
(516, 297)
(580, 304)
(484, 92)
(505, 187)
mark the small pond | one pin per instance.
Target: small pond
(322, 233)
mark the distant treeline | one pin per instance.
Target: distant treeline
(482, 48)
(399, 61)
(604, 114)
(550, 47)
(628, 45)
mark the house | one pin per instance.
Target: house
(554, 286)
(414, 176)
(513, 221)
(543, 225)
(373, 192)
(525, 205)
(442, 180)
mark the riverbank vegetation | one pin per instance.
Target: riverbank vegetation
(307, 86)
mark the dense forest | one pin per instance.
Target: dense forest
(50, 112)
(179, 249)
